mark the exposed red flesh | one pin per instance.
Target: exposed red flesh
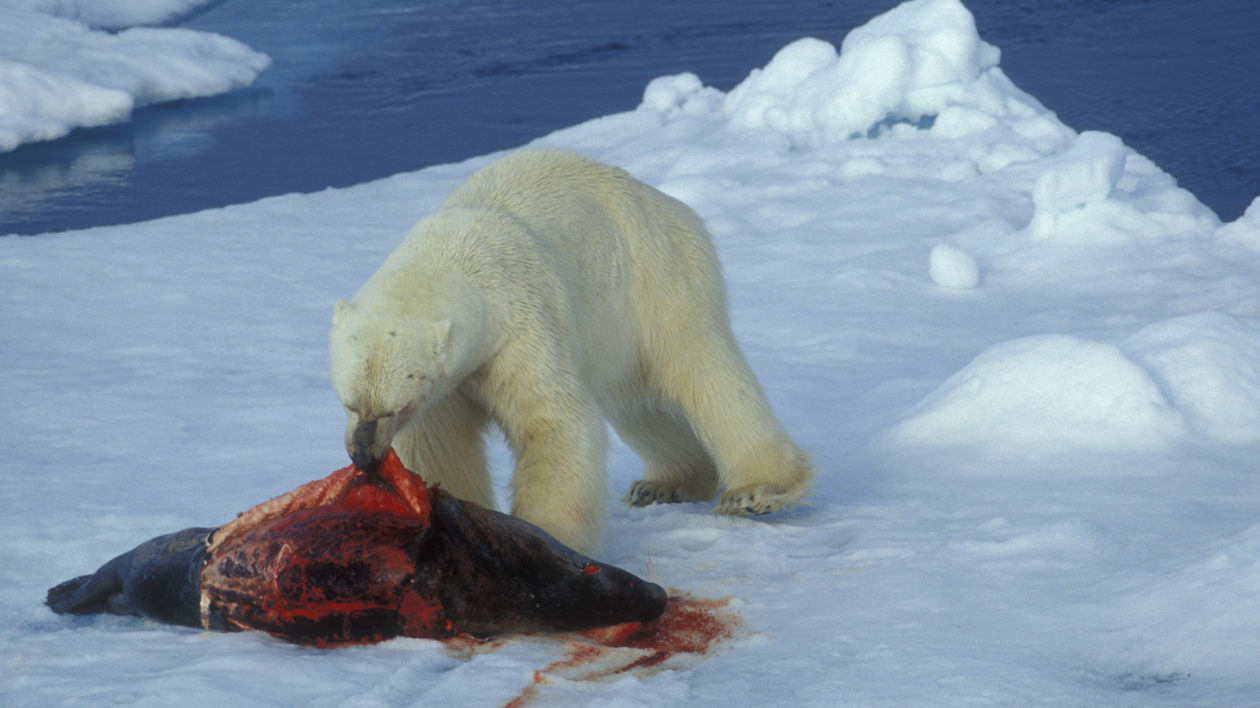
(396, 490)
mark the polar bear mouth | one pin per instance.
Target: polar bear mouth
(371, 438)
(366, 449)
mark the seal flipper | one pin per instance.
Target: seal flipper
(70, 598)
(91, 594)
(160, 578)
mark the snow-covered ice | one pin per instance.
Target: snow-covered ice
(59, 71)
(1037, 483)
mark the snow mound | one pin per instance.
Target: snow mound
(58, 74)
(1209, 365)
(1044, 393)
(920, 66)
(1188, 378)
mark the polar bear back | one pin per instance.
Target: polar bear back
(610, 229)
(632, 260)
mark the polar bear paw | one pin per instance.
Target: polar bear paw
(755, 500)
(643, 493)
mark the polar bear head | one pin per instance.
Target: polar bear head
(385, 370)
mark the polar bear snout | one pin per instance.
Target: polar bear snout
(367, 440)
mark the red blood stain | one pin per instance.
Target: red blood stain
(689, 625)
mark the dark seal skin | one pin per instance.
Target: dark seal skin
(360, 557)
(160, 578)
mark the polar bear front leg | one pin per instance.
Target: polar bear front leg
(559, 483)
(444, 445)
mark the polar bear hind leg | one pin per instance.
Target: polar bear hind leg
(786, 481)
(677, 468)
(758, 466)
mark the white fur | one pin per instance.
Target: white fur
(546, 294)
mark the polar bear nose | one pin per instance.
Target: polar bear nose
(364, 451)
(365, 463)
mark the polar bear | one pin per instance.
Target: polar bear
(546, 294)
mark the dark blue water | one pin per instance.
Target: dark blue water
(367, 89)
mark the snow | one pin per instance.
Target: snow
(1036, 486)
(57, 73)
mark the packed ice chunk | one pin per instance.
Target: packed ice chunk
(953, 268)
(680, 93)
(57, 74)
(809, 93)
(1083, 176)
(38, 105)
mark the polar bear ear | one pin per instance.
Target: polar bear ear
(340, 311)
